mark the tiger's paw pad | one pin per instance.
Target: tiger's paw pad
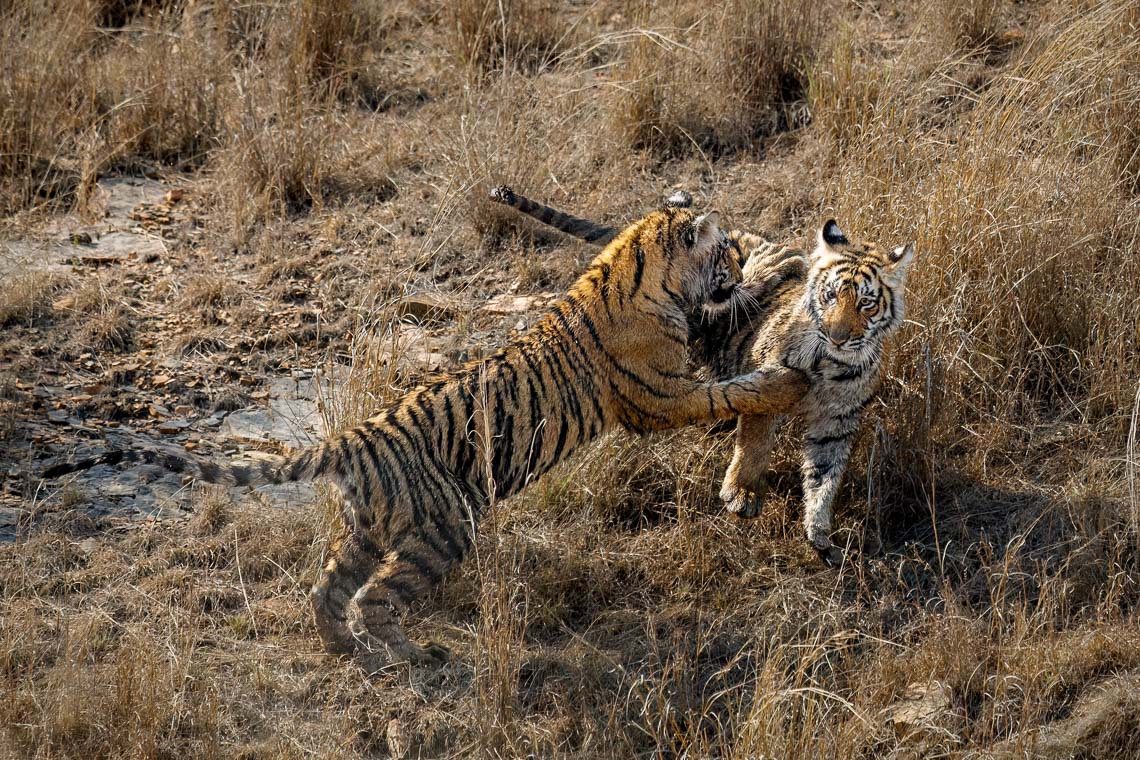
(745, 503)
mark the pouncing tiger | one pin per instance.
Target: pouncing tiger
(827, 314)
(613, 352)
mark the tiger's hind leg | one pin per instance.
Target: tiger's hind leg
(827, 446)
(351, 565)
(746, 481)
(406, 573)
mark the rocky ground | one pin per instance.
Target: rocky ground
(208, 395)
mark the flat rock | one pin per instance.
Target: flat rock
(516, 304)
(291, 417)
(426, 308)
(924, 707)
(170, 427)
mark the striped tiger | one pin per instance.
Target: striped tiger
(827, 314)
(417, 476)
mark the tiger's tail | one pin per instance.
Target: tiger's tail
(583, 229)
(304, 465)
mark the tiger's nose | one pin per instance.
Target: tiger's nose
(839, 334)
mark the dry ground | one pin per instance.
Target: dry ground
(331, 160)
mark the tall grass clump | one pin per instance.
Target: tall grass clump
(45, 106)
(168, 110)
(1025, 222)
(968, 24)
(717, 78)
(492, 35)
(528, 133)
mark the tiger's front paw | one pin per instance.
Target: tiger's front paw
(820, 539)
(779, 388)
(374, 659)
(744, 503)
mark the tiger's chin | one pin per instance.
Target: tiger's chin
(862, 353)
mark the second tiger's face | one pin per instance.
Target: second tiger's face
(855, 292)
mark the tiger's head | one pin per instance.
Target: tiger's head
(725, 266)
(711, 277)
(725, 273)
(855, 293)
(679, 255)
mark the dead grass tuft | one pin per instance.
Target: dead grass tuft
(969, 25)
(26, 296)
(487, 35)
(718, 79)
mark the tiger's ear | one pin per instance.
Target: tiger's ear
(900, 258)
(707, 227)
(830, 234)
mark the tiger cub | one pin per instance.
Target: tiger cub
(613, 352)
(827, 314)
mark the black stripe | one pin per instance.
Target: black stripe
(827, 440)
(639, 269)
(591, 329)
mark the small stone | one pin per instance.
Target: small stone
(57, 417)
(171, 427)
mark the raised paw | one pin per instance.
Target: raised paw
(744, 503)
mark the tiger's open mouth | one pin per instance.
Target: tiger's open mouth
(722, 294)
(724, 282)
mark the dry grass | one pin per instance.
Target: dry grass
(487, 35)
(26, 295)
(717, 79)
(341, 151)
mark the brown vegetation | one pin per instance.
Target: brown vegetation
(334, 157)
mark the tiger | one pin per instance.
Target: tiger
(417, 476)
(828, 314)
